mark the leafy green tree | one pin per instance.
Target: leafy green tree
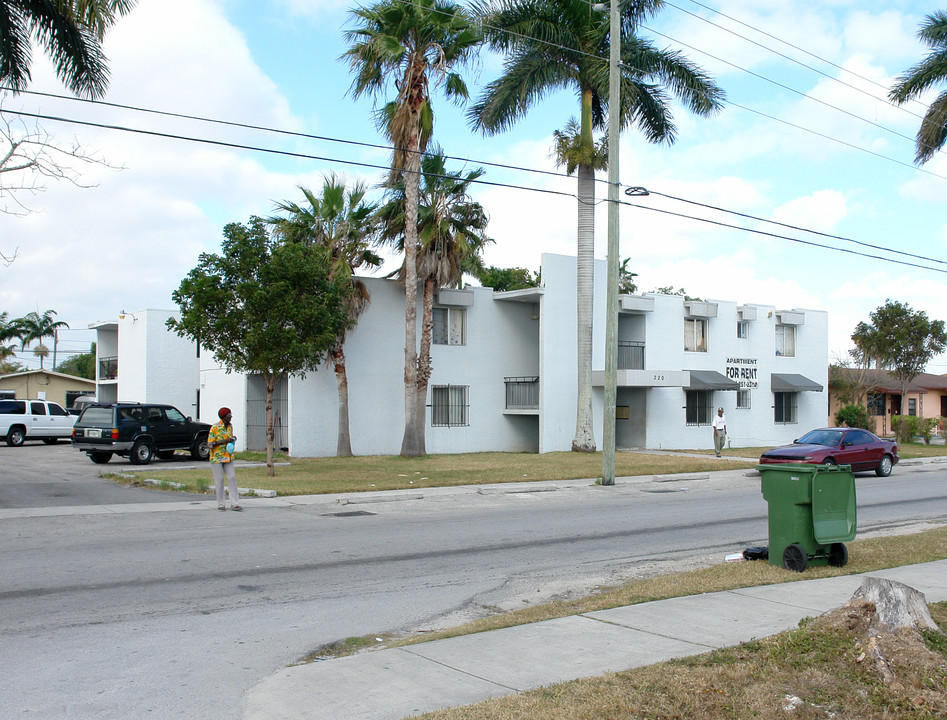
(338, 222)
(451, 237)
(931, 71)
(406, 45)
(34, 326)
(503, 279)
(71, 34)
(557, 44)
(263, 307)
(901, 340)
(79, 365)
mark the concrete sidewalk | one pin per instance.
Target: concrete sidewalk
(395, 683)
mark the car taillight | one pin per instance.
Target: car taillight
(115, 433)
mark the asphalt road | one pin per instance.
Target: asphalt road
(173, 610)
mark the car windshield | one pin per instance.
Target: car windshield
(830, 438)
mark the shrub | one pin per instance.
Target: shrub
(905, 427)
(855, 416)
(926, 428)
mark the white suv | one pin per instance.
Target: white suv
(34, 420)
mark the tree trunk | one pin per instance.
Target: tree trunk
(272, 380)
(412, 174)
(343, 446)
(424, 361)
(584, 440)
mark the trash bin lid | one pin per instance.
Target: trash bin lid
(834, 513)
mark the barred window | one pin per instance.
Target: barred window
(785, 408)
(743, 329)
(450, 326)
(449, 405)
(743, 399)
(699, 409)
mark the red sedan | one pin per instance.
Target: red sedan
(838, 446)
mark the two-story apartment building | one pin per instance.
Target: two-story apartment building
(505, 373)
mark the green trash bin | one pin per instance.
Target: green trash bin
(811, 513)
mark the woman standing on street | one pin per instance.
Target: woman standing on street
(221, 441)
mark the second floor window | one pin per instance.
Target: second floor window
(450, 326)
(695, 334)
(786, 340)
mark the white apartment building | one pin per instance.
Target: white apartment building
(505, 372)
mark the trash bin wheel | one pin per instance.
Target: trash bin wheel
(795, 558)
(838, 555)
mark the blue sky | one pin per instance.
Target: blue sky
(777, 151)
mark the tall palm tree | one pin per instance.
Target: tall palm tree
(34, 326)
(451, 234)
(71, 34)
(563, 44)
(339, 222)
(931, 71)
(406, 44)
(8, 331)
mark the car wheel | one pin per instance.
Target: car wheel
(830, 461)
(165, 454)
(15, 436)
(838, 555)
(795, 558)
(100, 457)
(141, 453)
(884, 467)
(200, 450)
(50, 441)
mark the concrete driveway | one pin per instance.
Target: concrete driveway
(40, 475)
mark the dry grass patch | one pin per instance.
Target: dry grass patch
(315, 476)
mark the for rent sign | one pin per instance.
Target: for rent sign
(743, 371)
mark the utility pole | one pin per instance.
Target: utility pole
(611, 298)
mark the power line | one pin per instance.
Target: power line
(221, 143)
(781, 237)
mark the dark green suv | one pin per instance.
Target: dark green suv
(139, 431)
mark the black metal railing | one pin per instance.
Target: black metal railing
(522, 392)
(630, 355)
(108, 368)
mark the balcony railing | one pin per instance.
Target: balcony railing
(630, 355)
(108, 368)
(522, 392)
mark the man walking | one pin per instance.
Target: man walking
(720, 431)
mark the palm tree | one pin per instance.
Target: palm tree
(452, 236)
(406, 44)
(557, 44)
(339, 222)
(931, 71)
(71, 33)
(34, 326)
(8, 331)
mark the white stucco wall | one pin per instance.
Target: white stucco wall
(502, 341)
(156, 365)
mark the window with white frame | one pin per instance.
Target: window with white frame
(699, 407)
(450, 326)
(786, 340)
(912, 406)
(743, 399)
(784, 411)
(743, 329)
(449, 405)
(695, 334)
